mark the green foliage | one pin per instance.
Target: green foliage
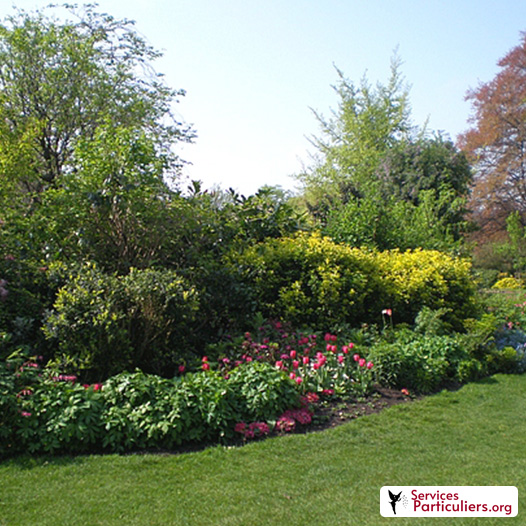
(312, 281)
(263, 391)
(423, 364)
(109, 324)
(133, 411)
(61, 80)
(378, 182)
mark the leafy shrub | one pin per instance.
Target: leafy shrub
(418, 278)
(312, 281)
(309, 280)
(421, 365)
(134, 411)
(108, 324)
(508, 282)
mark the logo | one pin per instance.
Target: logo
(397, 498)
(394, 500)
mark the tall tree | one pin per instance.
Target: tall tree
(496, 142)
(381, 181)
(60, 80)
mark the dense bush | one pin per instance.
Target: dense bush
(136, 411)
(415, 279)
(311, 280)
(106, 324)
(422, 364)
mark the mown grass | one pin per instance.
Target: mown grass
(474, 436)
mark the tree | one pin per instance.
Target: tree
(75, 93)
(368, 122)
(496, 143)
(61, 80)
(379, 180)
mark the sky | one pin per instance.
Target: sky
(255, 70)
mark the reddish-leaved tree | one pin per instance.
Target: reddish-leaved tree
(496, 143)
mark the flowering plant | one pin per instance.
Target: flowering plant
(316, 363)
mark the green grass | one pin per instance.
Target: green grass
(474, 437)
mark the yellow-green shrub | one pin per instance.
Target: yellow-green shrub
(417, 278)
(509, 282)
(310, 280)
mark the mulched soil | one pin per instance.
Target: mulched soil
(337, 412)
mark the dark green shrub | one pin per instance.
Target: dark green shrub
(89, 323)
(107, 324)
(161, 310)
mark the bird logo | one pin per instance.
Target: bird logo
(394, 499)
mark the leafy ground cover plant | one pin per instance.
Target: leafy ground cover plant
(132, 411)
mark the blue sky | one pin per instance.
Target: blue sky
(253, 69)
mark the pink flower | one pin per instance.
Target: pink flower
(299, 380)
(404, 391)
(285, 356)
(309, 398)
(240, 427)
(285, 423)
(295, 364)
(181, 369)
(97, 387)
(204, 359)
(293, 354)
(305, 360)
(25, 414)
(328, 392)
(387, 312)
(370, 365)
(340, 359)
(292, 376)
(316, 366)
(279, 364)
(356, 357)
(248, 359)
(361, 362)
(327, 337)
(345, 349)
(206, 366)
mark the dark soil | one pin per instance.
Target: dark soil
(333, 413)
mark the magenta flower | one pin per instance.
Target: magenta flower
(361, 362)
(206, 366)
(279, 364)
(292, 376)
(298, 380)
(340, 359)
(240, 427)
(295, 364)
(293, 354)
(306, 360)
(370, 365)
(356, 357)
(182, 369)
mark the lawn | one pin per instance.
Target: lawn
(474, 436)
